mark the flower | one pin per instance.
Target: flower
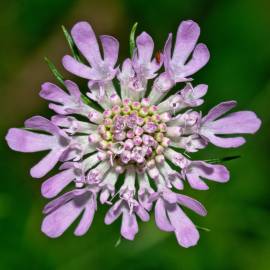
(142, 136)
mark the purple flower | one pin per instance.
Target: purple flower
(148, 140)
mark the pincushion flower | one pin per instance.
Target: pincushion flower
(140, 132)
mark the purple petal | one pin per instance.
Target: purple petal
(199, 59)
(54, 204)
(143, 198)
(187, 36)
(199, 91)
(170, 196)
(219, 110)
(142, 213)
(161, 217)
(224, 142)
(167, 52)
(192, 204)
(41, 123)
(237, 123)
(57, 183)
(76, 68)
(86, 219)
(198, 169)
(73, 89)
(113, 213)
(26, 141)
(185, 231)
(59, 109)
(52, 92)
(145, 45)
(46, 164)
(110, 49)
(129, 226)
(85, 39)
(58, 221)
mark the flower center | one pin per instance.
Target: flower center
(133, 133)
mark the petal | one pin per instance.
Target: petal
(129, 226)
(170, 196)
(167, 52)
(52, 92)
(127, 71)
(86, 219)
(110, 49)
(85, 39)
(26, 141)
(219, 110)
(224, 142)
(185, 231)
(187, 36)
(198, 169)
(199, 59)
(192, 204)
(199, 91)
(73, 89)
(161, 217)
(113, 213)
(195, 181)
(41, 123)
(58, 221)
(46, 164)
(76, 68)
(236, 123)
(142, 213)
(145, 45)
(143, 198)
(54, 204)
(59, 109)
(73, 125)
(57, 183)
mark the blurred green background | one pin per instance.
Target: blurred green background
(238, 36)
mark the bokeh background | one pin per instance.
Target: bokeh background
(237, 33)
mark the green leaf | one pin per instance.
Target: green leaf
(229, 158)
(85, 99)
(118, 242)
(71, 44)
(91, 103)
(59, 77)
(220, 160)
(132, 39)
(203, 228)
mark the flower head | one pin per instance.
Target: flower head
(143, 137)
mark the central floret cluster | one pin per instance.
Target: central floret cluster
(133, 151)
(132, 133)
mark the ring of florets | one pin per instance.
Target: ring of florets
(132, 133)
